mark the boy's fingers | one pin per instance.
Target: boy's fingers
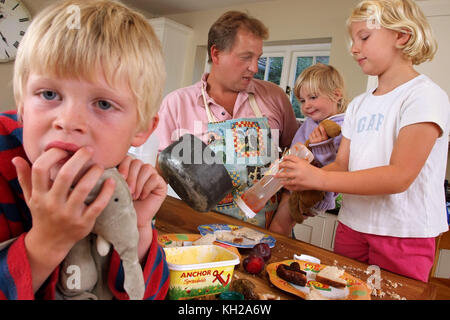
(133, 174)
(69, 171)
(40, 173)
(23, 170)
(155, 185)
(102, 200)
(85, 185)
(145, 174)
(124, 166)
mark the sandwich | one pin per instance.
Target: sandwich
(249, 234)
(331, 276)
(208, 238)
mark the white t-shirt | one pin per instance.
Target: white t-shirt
(372, 124)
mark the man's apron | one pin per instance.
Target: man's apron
(247, 149)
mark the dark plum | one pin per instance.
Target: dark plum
(263, 250)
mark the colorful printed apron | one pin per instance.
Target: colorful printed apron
(247, 149)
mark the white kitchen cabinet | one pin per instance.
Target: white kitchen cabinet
(443, 265)
(318, 230)
(174, 39)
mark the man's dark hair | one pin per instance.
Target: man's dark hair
(223, 32)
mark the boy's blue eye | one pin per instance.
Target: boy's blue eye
(104, 105)
(49, 95)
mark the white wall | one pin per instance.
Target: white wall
(287, 20)
(438, 14)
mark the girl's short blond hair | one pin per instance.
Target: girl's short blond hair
(321, 79)
(401, 16)
(79, 39)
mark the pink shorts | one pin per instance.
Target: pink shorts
(411, 257)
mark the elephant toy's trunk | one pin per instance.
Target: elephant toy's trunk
(134, 279)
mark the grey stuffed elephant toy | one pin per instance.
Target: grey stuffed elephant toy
(116, 225)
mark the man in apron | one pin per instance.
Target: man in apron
(244, 120)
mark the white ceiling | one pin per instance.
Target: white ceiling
(167, 7)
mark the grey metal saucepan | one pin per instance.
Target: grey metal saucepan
(189, 168)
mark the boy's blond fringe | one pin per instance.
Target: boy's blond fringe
(109, 38)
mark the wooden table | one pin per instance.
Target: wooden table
(176, 217)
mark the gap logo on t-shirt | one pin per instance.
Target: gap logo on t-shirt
(369, 123)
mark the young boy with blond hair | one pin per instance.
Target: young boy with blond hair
(85, 93)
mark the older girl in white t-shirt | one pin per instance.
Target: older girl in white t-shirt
(392, 159)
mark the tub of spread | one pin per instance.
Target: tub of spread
(199, 270)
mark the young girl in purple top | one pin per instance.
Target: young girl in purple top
(321, 93)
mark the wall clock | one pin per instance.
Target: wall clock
(14, 21)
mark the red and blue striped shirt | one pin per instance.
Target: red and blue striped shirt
(15, 222)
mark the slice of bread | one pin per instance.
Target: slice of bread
(208, 238)
(224, 236)
(249, 234)
(331, 276)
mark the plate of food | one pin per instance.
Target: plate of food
(178, 239)
(312, 281)
(236, 236)
(191, 239)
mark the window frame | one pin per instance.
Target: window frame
(275, 52)
(290, 54)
